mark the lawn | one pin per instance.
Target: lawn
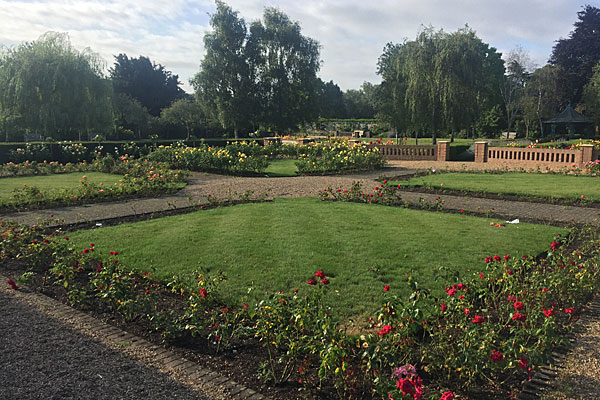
(540, 185)
(53, 182)
(279, 245)
(282, 168)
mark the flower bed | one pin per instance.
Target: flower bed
(338, 156)
(140, 178)
(489, 330)
(238, 159)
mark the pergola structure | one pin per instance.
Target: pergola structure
(568, 117)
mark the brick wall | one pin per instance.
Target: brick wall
(439, 152)
(534, 157)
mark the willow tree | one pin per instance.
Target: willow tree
(49, 88)
(439, 81)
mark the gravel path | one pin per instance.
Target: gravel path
(43, 358)
(223, 187)
(579, 374)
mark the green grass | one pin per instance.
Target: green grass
(282, 168)
(279, 245)
(540, 185)
(53, 182)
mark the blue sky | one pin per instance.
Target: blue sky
(352, 33)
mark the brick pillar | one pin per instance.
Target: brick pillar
(443, 150)
(587, 153)
(481, 150)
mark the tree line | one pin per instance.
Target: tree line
(261, 78)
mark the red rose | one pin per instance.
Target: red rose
(554, 245)
(549, 312)
(488, 260)
(202, 292)
(312, 281)
(478, 319)
(325, 281)
(406, 386)
(481, 276)
(320, 274)
(467, 311)
(519, 317)
(12, 284)
(569, 310)
(85, 251)
(443, 307)
(523, 363)
(496, 356)
(451, 291)
(518, 305)
(447, 396)
(385, 330)
(497, 258)
(507, 257)
(386, 288)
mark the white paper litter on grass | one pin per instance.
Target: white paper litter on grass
(514, 221)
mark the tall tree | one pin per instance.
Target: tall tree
(357, 102)
(225, 85)
(149, 83)
(331, 100)
(578, 54)
(518, 69)
(591, 95)
(49, 88)
(184, 112)
(287, 64)
(389, 97)
(130, 114)
(541, 98)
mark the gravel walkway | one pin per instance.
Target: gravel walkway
(43, 358)
(223, 187)
(579, 374)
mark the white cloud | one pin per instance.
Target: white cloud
(352, 33)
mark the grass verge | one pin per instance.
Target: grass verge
(53, 182)
(551, 186)
(276, 246)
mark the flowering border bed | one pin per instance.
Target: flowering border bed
(490, 330)
(141, 178)
(243, 158)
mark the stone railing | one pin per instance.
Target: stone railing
(534, 157)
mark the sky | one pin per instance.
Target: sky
(352, 33)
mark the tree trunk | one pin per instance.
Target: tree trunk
(235, 133)
(452, 136)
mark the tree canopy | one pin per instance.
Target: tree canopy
(49, 88)
(578, 54)
(263, 76)
(143, 80)
(439, 81)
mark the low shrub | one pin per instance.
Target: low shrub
(237, 159)
(337, 156)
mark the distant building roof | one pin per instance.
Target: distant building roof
(568, 116)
